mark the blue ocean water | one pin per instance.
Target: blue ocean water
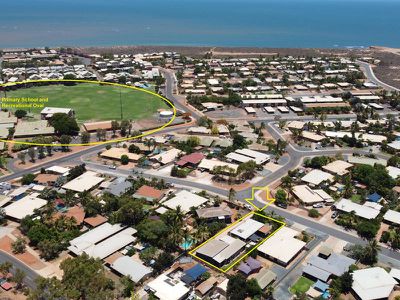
(255, 23)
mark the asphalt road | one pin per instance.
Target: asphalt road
(31, 275)
(366, 67)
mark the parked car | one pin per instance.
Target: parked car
(334, 214)
(281, 205)
(113, 167)
(318, 205)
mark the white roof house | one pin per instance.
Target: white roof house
(127, 266)
(392, 216)
(112, 244)
(373, 283)
(167, 288)
(210, 164)
(25, 206)
(308, 196)
(58, 170)
(338, 167)
(84, 182)
(282, 246)
(185, 200)
(246, 228)
(167, 156)
(362, 211)
(92, 237)
(317, 176)
(393, 172)
(258, 157)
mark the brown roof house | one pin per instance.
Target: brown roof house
(149, 193)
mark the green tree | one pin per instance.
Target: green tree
(32, 154)
(114, 127)
(65, 140)
(85, 138)
(20, 113)
(313, 213)
(281, 197)
(236, 289)
(18, 278)
(28, 179)
(85, 278)
(124, 159)
(21, 156)
(19, 245)
(64, 124)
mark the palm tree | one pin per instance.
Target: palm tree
(5, 267)
(19, 278)
(371, 251)
(176, 236)
(232, 194)
(202, 233)
(177, 216)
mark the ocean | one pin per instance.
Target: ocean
(251, 23)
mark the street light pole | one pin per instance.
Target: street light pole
(120, 103)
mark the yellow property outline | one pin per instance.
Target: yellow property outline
(254, 212)
(94, 82)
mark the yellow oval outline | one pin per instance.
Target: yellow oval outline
(95, 82)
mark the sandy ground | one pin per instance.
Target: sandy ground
(27, 257)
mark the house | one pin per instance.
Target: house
(210, 164)
(362, 211)
(118, 186)
(84, 182)
(250, 266)
(149, 193)
(193, 274)
(393, 172)
(246, 228)
(127, 266)
(338, 167)
(372, 283)
(25, 206)
(282, 247)
(167, 288)
(76, 212)
(116, 153)
(185, 200)
(166, 157)
(265, 277)
(95, 221)
(245, 155)
(215, 213)
(103, 240)
(307, 196)
(221, 250)
(206, 286)
(375, 197)
(323, 268)
(46, 179)
(392, 217)
(190, 160)
(316, 177)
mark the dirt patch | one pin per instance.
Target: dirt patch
(27, 258)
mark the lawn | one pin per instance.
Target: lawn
(301, 286)
(93, 102)
(356, 198)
